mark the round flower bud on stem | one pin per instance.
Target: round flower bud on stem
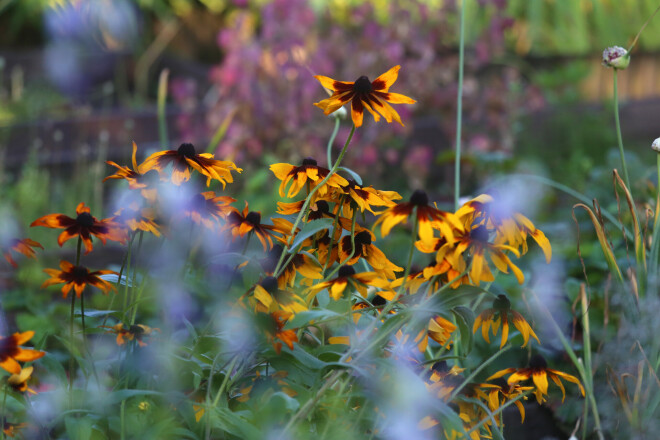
(655, 146)
(616, 57)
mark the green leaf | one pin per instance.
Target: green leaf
(310, 229)
(78, 428)
(94, 313)
(465, 321)
(303, 318)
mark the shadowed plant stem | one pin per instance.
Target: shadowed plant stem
(619, 138)
(332, 141)
(459, 106)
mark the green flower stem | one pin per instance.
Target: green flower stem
(308, 200)
(82, 296)
(498, 411)
(3, 413)
(406, 270)
(477, 371)
(618, 132)
(332, 141)
(459, 106)
(136, 301)
(648, 20)
(587, 376)
(118, 283)
(332, 236)
(162, 102)
(352, 248)
(655, 244)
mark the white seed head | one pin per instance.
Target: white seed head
(340, 113)
(616, 57)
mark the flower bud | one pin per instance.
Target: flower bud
(340, 114)
(616, 57)
(655, 146)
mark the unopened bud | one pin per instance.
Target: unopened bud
(655, 146)
(341, 113)
(616, 57)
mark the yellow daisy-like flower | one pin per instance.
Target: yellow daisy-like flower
(539, 372)
(428, 218)
(307, 172)
(11, 351)
(365, 249)
(501, 311)
(345, 276)
(186, 158)
(19, 381)
(372, 95)
(364, 197)
(138, 177)
(77, 277)
(136, 332)
(269, 298)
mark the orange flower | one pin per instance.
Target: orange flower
(276, 330)
(77, 277)
(184, 158)
(83, 226)
(18, 381)
(345, 276)
(135, 332)
(539, 372)
(24, 246)
(428, 218)
(11, 429)
(10, 352)
(372, 95)
(501, 311)
(207, 209)
(298, 176)
(138, 177)
(250, 221)
(139, 218)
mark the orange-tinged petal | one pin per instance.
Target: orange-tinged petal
(385, 81)
(357, 112)
(540, 379)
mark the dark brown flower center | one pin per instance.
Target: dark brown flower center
(345, 271)
(187, 150)
(362, 85)
(136, 330)
(538, 362)
(323, 207)
(253, 218)
(270, 284)
(378, 301)
(85, 220)
(79, 272)
(419, 198)
(363, 237)
(501, 303)
(480, 233)
(440, 367)
(7, 347)
(308, 161)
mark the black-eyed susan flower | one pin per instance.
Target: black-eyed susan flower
(138, 178)
(502, 312)
(241, 223)
(11, 351)
(23, 246)
(19, 381)
(186, 158)
(500, 392)
(372, 95)
(539, 372)
(300, 176)
(11, 429)
(135, 332)
(207, 209)
(77, 278)
(365, 249)
(427, 217)
(347, 275)
(275, 331)
(84, 226)
(365, 198)
(267, 297)
(138, 218)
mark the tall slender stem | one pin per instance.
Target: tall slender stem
(309, 198)
(82, 296)
(332, 141)
(618, 132)
(459, 106)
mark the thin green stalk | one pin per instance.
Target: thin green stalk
(586, 377)
(162, 99)
(352, 248)
(122, 420)
(478, 370)
(411, 252)
(230, 368)
(305, 206)
(332, 141)
(3, 414)
(118, 283)
(655, 244)
(82, 296)
(496, 412)
(648, 20)
(618, 132)
(128, 272)
(136, 299)
(332, 236)
(459, 106)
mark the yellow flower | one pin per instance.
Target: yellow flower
(501, 311)
(345, 276)
(307, 172)
(186, 158)
(18, 381)
(372, 95)
(11, 353)
(539, 372)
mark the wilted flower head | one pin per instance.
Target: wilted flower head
(616, 57)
